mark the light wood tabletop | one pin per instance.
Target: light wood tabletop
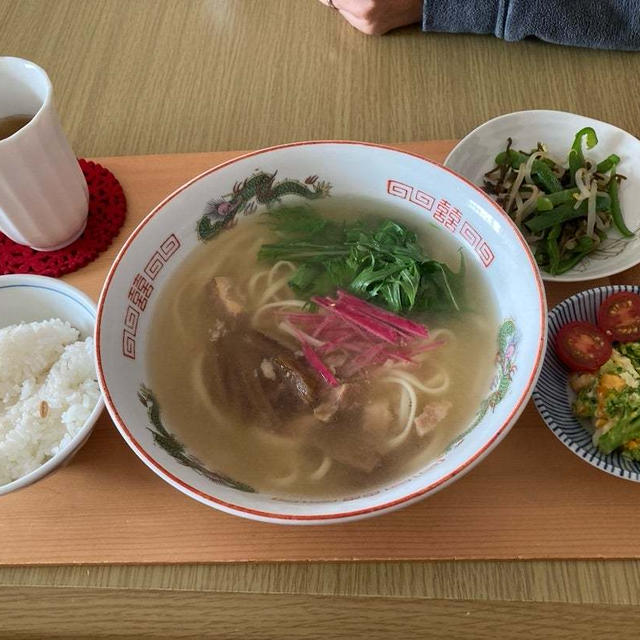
(167, 76)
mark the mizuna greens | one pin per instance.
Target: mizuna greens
(563, 212)
(379, 260)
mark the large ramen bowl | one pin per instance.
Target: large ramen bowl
(237, 191)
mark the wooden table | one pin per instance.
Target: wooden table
(164, 76)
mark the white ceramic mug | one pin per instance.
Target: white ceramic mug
(44, 197)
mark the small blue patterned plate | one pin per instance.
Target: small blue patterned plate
(553, 396)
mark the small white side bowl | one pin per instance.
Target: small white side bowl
(474, 155)
(29, 298)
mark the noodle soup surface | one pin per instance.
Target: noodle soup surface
(237, 388)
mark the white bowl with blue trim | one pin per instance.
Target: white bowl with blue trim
(553, 395)
(30, 298)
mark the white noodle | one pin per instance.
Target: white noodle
(177, 309)
(436, 335)
(278, 265)
(197, 380)
(272, 289)
(317, 474)
(443, 386)
(403, 409)
(272, 305)
(287, 328)
(253, 282)
(273, 439)
(399, 438)
(435, 390)
(322, 470)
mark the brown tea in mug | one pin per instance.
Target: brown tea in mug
(10, 124)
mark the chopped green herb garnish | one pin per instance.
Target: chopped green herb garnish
(632, 351)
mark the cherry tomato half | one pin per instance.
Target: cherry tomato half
(619, 317)
(582, 346)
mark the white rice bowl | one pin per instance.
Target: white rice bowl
(48, 390)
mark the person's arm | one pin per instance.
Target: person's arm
(602, 24)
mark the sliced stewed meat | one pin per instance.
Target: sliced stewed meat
(295, 379)
(346, 444)
(337, 400)
(432, 415)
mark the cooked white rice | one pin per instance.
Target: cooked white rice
(48, 389)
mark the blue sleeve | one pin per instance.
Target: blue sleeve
(601, 24)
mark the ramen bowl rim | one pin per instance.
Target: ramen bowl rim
(328, 518)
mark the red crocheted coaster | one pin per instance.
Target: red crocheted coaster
(107, 209)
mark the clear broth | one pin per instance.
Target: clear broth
(182, 327)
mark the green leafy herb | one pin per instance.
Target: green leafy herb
(296, 220)
(632, 351)
(379, 260)
(585, 404)
(626, 427)
(622, 409)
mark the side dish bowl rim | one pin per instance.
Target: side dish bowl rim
(601, 461)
